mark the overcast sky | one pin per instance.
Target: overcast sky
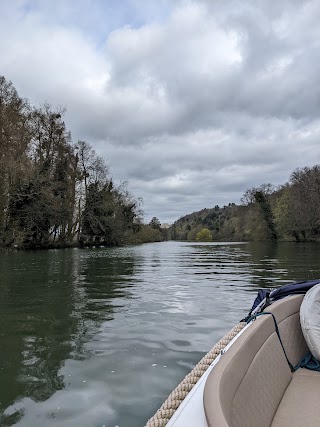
(192, 102)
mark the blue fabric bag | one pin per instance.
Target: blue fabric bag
(267, 296)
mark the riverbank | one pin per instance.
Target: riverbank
(146, 234)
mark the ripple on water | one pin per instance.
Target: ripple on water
(101, 336)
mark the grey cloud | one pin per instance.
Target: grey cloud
(193, 102)
(274, 79)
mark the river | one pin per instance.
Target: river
(99, 337)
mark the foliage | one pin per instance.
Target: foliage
(204, 235)
(53, 192)
(261, 199)
(155, 223)
(146, 234)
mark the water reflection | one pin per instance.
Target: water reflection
(100, 336)
(52, 304)
(284, 262)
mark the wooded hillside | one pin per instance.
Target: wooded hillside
(289, 212)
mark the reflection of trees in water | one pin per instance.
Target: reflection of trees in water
(101, 282)
(40, 300)
(277, 263)
(227, 259)
(261, 264)
(52, 303)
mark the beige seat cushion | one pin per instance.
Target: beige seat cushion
(261, 389)
(300, 405)
(247, 385)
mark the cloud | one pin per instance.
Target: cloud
(191, 101)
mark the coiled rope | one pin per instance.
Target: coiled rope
(169, 407)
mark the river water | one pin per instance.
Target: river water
(99, 337)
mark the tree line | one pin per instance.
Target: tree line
(54, 193)
(288, 212)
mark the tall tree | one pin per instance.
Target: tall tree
(305, 192)
(155, 223)
(261, 199)
(15, 135)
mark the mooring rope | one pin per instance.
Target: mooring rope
(169, 407)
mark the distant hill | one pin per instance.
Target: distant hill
(215, 219)
(288, 212)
